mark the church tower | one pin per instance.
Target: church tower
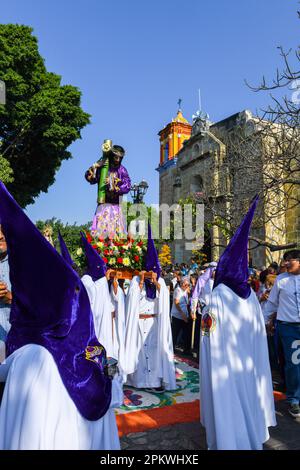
(171, 139)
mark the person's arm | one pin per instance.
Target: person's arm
(142, 279)
(273, 300)
(115, 283)
(5, 294)
(92, 174)
(177, 305)
(155, 281)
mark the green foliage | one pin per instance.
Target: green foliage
(71, 236)
(152, 216)
(199, 257)
(41, 117)
(6, 173)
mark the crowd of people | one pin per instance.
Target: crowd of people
(72, 333)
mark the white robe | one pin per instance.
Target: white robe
(236, 395)
(37, 412)
(101, 306)
(149, 360)
(118, 306)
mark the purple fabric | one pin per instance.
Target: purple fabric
(96, 266)
(109, 221)
(51, 308)
(124, 185)
(232, 269)
(64, 250)
(151, 264)
(202, 280)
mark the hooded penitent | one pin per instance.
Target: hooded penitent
(96, 266)
(232, 268)
(201, 283)
(236, 395)
(51, 308)
(151, 264)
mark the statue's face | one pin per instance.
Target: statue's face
(116, 161)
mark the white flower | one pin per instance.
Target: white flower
(79, 251)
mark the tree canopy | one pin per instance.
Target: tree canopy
(41, 117)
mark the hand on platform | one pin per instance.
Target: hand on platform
(108, 273)
(5, 294)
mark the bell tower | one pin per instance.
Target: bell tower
(171, 138)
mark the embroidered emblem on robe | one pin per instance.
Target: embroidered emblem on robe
(96, 354)
(208, 323)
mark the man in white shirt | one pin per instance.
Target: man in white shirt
(285, 300)
(180, 314)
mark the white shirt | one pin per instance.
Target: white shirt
(182, 296)
(284, 298)
(148, 306)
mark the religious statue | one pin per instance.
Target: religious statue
(48, 232)
(113, 181)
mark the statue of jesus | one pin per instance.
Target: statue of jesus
(113, 181)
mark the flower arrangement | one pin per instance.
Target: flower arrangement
(119, 253)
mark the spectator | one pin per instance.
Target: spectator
(284, 299)
(176, 279)
(269, 322)
(180, 314)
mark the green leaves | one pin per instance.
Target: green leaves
(6, 173)
(41, 118)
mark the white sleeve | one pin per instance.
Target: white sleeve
(177, 294)
(90, 288)
(116, 392)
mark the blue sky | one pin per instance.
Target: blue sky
(133, 59)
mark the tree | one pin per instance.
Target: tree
(41, 117)
(71, 236)
(262, 152)
(6, 173)
(165, 256)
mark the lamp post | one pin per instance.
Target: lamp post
(138, 191)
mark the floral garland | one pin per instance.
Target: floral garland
(119, 253)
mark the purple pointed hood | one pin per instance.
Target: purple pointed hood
(151, 264)
(51, 308)
(232, 268)
(64, 250)
(96, 266)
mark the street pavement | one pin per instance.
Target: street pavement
(191, 436)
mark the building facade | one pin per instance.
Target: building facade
(194, 160)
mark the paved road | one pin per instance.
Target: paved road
(191, 436)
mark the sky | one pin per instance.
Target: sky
(133, 60)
